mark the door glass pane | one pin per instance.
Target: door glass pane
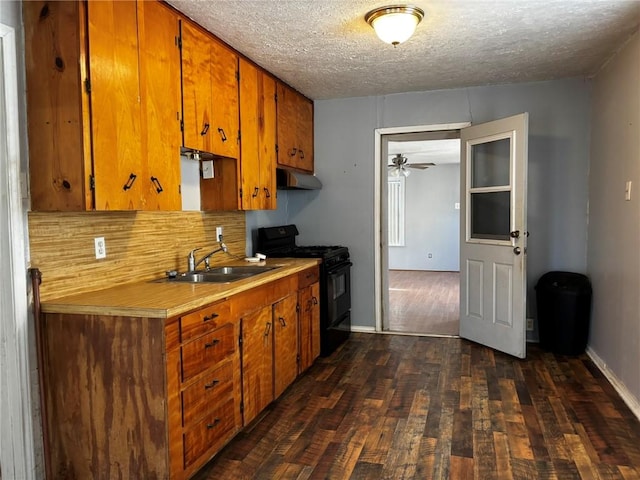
(490, 163)
(490, 215)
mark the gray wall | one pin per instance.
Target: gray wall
(614, 224)
(432, 224)
(343, 211)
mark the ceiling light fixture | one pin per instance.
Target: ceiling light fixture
(396, 23)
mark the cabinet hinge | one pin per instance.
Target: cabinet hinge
(238, 75)
(297, 307)
(179, 42)
(240, 340)
(241, 407)
(239, 136)
(240, 193)
(275, 96)
(87, 85)
(181, 125)
(297, 358)
(276, 148)
(92, 182)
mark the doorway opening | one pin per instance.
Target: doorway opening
(417, 271)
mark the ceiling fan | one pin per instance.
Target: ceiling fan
(399, 166)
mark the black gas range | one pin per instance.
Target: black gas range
(335, 280)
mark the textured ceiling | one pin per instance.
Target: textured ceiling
(325, 49)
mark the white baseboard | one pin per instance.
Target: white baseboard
(359, 329)
(631, 401)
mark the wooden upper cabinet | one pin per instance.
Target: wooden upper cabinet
(87, 111)
(57, 106)
(209, 93)
(158, 31)
(295, 130)
(258, 137)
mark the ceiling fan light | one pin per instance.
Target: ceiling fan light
(405, 172)
(395, 24)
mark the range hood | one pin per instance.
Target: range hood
(292, 180)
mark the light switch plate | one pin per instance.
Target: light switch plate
(207, 169)
(627, 191)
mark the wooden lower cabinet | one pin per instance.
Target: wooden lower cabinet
(257, 362)
(130, 397)
(285, 348)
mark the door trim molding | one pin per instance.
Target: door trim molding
(379, 206)
(17, 445)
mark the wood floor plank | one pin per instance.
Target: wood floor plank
(438, 408)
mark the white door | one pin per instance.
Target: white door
(493, 234)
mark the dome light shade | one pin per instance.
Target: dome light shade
(395, 24)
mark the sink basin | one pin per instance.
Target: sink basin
(221, 274)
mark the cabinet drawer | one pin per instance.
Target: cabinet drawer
(210, 433)
(214, 387)
(204, 352)
(204, 320)
(307, 277)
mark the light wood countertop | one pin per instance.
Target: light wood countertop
(164, 299)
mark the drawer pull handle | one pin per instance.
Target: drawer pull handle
(314, 300)
(266, 332)
(215, 423)
(129, 184)
(223, 137)
(293, 151)
(282, 321)
(213, 343)
(205, 129)
(212, 384)
(206, 318)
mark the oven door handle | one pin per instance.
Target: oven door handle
(342, 266)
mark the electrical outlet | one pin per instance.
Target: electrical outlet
(530, 324)
(218, 234)
(101, 247)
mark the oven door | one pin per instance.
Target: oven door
(338, 292)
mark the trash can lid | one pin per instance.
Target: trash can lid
(568, 282)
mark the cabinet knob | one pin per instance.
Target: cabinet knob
(211, 384)
(129, 184)
(156, 183)
(214, 424)
(213, 343)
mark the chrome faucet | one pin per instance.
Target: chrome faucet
(193, 264)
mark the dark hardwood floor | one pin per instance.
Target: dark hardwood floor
(404, 407)
(424, 302)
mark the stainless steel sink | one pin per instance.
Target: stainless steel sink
(220, 274)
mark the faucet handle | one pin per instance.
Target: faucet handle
(192, 259)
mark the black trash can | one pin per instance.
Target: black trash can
(564, 311)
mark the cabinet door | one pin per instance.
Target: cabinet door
(258, 145)
(285, 325)
(304, 134)
(160, 86)
(57, 106)
(115, 106)
(249, 117)
(287, 129)
(225, 124)
(196, 87)
(267, 142)
(309, 325)
(257, 362)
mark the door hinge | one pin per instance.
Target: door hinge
(87, 85)
(92, 182)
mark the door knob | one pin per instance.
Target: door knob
(517, 250)
(515, 234)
